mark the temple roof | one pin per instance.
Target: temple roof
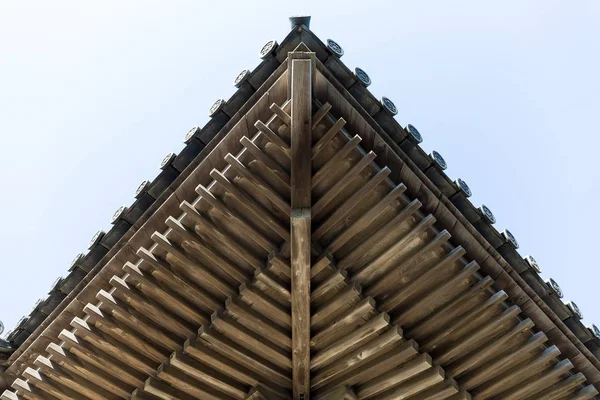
(386, 217)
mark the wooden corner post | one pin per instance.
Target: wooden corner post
(300, 68)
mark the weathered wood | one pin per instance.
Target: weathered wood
(207, 375)
(272, 136)
(269, 162)
(320, 114)
(352, 174)
(89, 372)
(301, 140)
(326, 138)
(85, 352)
(355, 318)
(257, 210)
(353, 340)
(108, 304)
(285, 117)
(234, 219)
(163, 273)
(395, 377)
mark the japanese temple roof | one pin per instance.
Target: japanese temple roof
(432, 208)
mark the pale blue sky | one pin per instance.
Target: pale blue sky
(93, 95)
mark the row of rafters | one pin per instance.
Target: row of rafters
(398, 311)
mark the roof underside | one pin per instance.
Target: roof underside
(407, 299)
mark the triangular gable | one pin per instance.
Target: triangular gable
(198, 303)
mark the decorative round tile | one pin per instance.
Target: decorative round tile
(217, 105)
(362, 76)
(462, 185)
(76, 260)
(96, 238)
(414, 133)
(167, 160)
(142, 188)
(487, 213)
(241, 78)
(533, 264)
(118, 214)
(439, 160)
(554, 286)
(509, 237)
(335, 48)
(389, 105)
(190, 134)
(55, 284)
(595, 330)
(1, 327)
(268, 48)
(575, 309)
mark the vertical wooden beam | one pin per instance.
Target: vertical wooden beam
(300, 68)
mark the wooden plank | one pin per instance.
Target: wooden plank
(108, 304)
(207, 375)
(352, 174)
(257, 210)
(326, 138)
(272, 136)
(351, 341)
(264, 188)
(340, 155)
(163, 273)
(87, 353)
(301, 144)
(320, 114)
(266, 159)
(395, 377)
(87, 371)
(258, 323)
(285, 117)
(234, 219)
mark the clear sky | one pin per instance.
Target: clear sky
(94, 94)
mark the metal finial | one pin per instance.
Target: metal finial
(299, 20)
